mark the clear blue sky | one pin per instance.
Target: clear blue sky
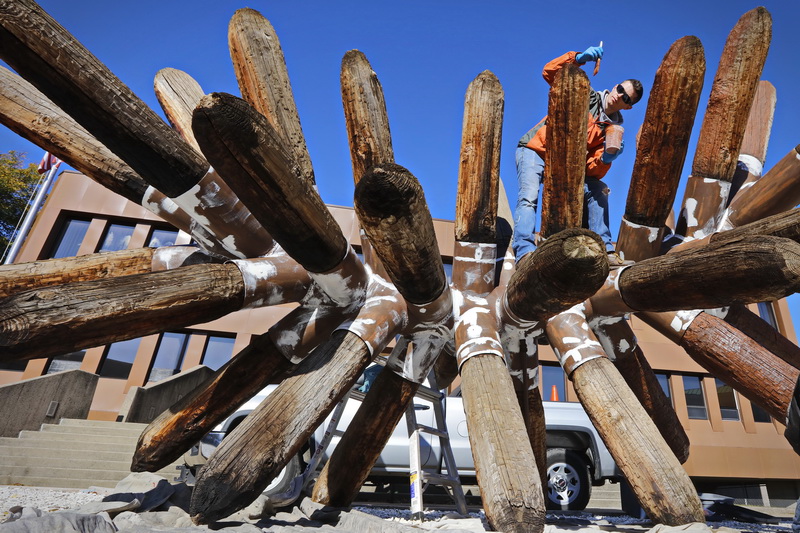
(425, 54)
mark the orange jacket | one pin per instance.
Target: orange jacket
(595, 139)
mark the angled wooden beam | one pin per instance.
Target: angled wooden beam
(20, 277)
(661, 485)
(661, 148)
(565, 159)
(54, 61)
(178, 94)
(724, 123)
(264, 81)
(763, 333)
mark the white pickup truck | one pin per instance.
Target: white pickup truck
(576, 457)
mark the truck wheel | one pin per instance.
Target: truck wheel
(568, 485)
(283, 481)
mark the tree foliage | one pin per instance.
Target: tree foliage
(17, 185)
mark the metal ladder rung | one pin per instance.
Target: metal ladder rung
(433, 431)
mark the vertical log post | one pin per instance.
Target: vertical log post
(724, 122)
(661, 148)
(565, 159)
(264, 81)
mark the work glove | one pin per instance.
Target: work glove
(593, 53)
(608, 158)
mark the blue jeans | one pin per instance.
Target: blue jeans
(530, 170)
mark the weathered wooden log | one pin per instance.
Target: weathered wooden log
(365, 115)
(753, 153)
(509, 502)
(732, 356)
(763, 333)
(181, 426)
(661, 485)
(402, 234)
(248, 153)
(391, 206)
(621, 346)
(479, 164)
(724, 123)
(264, 81)
(37, 274)
(253, 454)
(50, 58)
(55, 320)
(566, 269)
(661, 148)
(211, 201)
(565, 159)
(760, 268)
(785, 224)
(178, 94)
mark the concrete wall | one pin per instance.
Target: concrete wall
(30, 403)
(143, 404)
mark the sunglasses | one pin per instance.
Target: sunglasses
(625, 97)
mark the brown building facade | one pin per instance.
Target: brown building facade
(736, 447)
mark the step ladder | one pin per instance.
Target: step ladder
(420, 478)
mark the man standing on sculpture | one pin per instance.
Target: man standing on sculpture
(604, 109)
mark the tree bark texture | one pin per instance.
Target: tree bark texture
(757, 269)
(732, 94)
(29, 113)
(659, 481)
(565, 158)
(565, 270)
(391, 207)
(260, 69)
(361, 445)
(634, 368)
(664, 139)
(55, 320)
(181, 426)
(256, 451)
(785, 224)
(251, 157)
(479, 165)
(365, 115)
(51, 59)
(508, 478)
(178, 94)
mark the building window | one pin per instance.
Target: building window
(68, 361)
(116, 238)
(727, 401)
(553, 382)
(218, 351)
(767, 313)
(162, 237)
(15, 366)
(695, 401)
(663, 380)
(70, 238)
(447, 262)
(169, 356)
(759, 414)
(119, 358)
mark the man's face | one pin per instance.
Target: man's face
(619, 97)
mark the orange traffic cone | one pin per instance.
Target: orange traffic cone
(554, 394)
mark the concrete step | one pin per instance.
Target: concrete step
(132, 433)
(88, 462)
(100, 424)
(64, 454)
(50, 436)
(58, 444)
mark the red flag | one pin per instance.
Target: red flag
(48, 161)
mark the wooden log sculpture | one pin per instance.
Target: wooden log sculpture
(266, 181)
